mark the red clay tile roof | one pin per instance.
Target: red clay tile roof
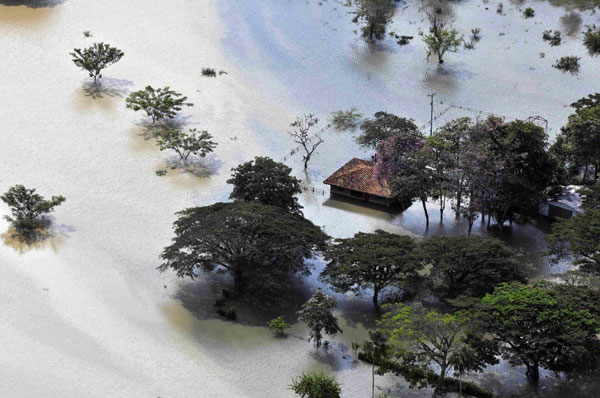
(357, 175)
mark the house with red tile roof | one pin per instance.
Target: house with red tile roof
(355, 180)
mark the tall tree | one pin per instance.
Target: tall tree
(158, 103)
(96, 58)
(258, 245)
(468, 266)
(382, 126)
(300, 134)
(403, 162)
(375, 15)
(578, 237)
(449, 143)
(370, 261)
(543, 326)
(318, 315)
(582, 136)
(26, 207)
(266, 181)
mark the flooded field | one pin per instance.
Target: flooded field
(86, 314)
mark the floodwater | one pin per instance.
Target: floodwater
(85, 313)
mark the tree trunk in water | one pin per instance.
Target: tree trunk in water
(376, 299)
(585, 174)
(533, 372)
(426, 214)
(373, 377)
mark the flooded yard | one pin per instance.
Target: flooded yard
(85, 313)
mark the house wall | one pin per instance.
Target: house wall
(361, 196)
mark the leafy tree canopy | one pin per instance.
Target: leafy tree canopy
(542, 325)
(185, 144)
(375, 16)
(266, 181)
(370, 261)
(26, 207)
(383, 126)
(591, 197)
(257, 244)
(158, 103)
(579, 237)
(96, 58)
(468, 266)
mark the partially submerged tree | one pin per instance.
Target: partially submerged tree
(382, 126)
(96, 58)
(193, 142)
(301, 135)
(258, 245)
(468, 266)
(577, 237)
(316, 385)
(370, 261)
(266, 181)
(278, 325)
(318, 315)
(159, 104)
(543, 326)
(591, 40)
(568, 64)
(421, 337)
(345, 120)
(27, 207)
(375, 15)
(442, 37)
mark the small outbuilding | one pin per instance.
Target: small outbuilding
(565, 204)
(355, 180)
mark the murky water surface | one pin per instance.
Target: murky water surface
(90, 298)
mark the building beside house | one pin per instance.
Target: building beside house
(355, 180)
(564, 204)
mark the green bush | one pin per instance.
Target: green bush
(210, 72)
(591, 40)
(568, 64)
(529, 12)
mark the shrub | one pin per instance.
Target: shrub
(404, 40)
(227, 312)
(554, 39)
(591, 40)
(316, 385)
(568, 64)
(500, 8)
(345, 120)
(278, 325)
(210, 72)
(161, 172)
(529, 12)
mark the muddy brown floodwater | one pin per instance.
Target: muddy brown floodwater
(86, 314)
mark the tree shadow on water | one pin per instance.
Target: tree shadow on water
(196, 166)
(49, 235)
(32, 3)
(107, 87)
(199, 298)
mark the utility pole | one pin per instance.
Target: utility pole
(431, 120)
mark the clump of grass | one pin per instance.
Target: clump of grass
(591, 40)
(87, 33)
(553, 39)
(475, 34)
(161, 172)
(222, 72)
(568, 64)
(529, 12)
(209, 72)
